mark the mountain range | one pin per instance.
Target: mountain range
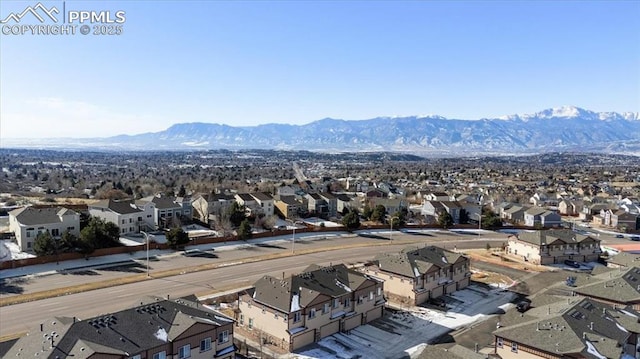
(566, 128)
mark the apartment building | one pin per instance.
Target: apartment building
(27, 222)
(554, 246)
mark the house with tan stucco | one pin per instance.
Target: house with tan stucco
(301, 309)
(554, 246)
(415, 275)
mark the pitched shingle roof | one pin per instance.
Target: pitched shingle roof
(546, 237)
(412, 262)
(131, 331)
(585, 324)
(35, 216)
(120, 207)
(302, 289)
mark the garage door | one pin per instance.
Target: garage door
(329, 329)
(436, 292)
(352, 322)
(304, 339)
(463, 283)
(450, 288)
(374, 313)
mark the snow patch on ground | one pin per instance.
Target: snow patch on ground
(410, 330)
(13, 251)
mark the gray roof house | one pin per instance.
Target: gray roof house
(306, 307)
(27, 222)
(154, 328)
(586, 329)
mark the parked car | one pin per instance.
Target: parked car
(571, 263)
(523, 306)
(635, 238)
(619, 236)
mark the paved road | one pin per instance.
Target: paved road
(25, 316)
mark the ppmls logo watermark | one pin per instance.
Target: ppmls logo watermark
(58, 20)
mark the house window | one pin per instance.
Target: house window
(336, 302)
(123, 221)
(55, 232)
(71, 228)
(347, 302)
(139, 218)
(312, 313)
(241, 319)
(370, 296)
(250, 323)
(130, 220)
(499, 342)
(296, 317)
(184, 352)
(205, 344)
(379, 291)
(161, 355)
(514, 347)
(137, 356)
(360, 299)
(223, 337)
(28, 234)
(28, 244)
(325, 308)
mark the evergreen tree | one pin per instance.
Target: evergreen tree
(176, 237)
(44, 244)
(378, 213)
(445, 220)
(351, 221)
(244, 230)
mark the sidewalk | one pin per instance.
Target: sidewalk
(114, 259)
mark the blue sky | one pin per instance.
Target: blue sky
(244, 63)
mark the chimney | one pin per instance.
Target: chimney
(591, 326)
(475, 348)
(537, 326)
(74, 319)
(42, 327)
(549, 310)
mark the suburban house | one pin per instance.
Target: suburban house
(515, 214)
(436, 196)
(625, 221)
(575, 328)
(316, 204)
(391, 205)
(125, 214)
(538, 216)
(344, 201)
(592, 210)
(288, 207)
(304, 308)
(256, 203)
(554, 246)
(155, 329)
(166, 211)
(435, 208)
(567, 208)
(207, 206)
(414, 276)
(248, 202)
(27, 222)
(619, 288)
(623, 259)
(332, 203)
(265, 203)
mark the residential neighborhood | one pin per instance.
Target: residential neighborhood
(431, 272)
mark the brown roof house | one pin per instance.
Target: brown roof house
(304, 308)
(554, 246)
(155, 329)
(415, 275)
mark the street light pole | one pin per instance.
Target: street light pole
(293, 240)
(391, 230)
(146, 239)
